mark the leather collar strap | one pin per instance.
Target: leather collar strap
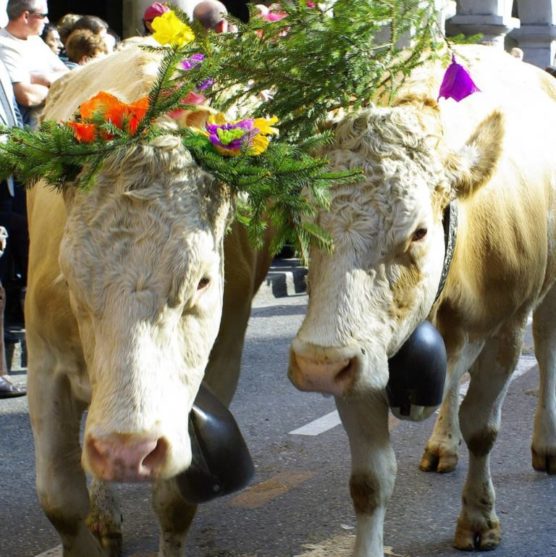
(450, 224)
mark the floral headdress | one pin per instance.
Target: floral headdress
(300, 66)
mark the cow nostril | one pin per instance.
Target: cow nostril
(347, 374)
(156, 458)
(95, 455)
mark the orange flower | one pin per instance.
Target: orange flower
(84, 133)
(135, 112)
(101, 103)
(113, 110)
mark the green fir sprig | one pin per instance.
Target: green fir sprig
(301, 69)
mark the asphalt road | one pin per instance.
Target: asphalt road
(298, 504)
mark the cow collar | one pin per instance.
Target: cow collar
(450, 224)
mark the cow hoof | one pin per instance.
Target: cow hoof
(544, 461)
(438, 460)
(470, 537)
(112, 545)
(110, 541)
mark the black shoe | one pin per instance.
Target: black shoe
(9, 390)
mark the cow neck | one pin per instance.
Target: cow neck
(450, 225)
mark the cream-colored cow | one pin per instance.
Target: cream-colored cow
(493, 153)
(123, 306)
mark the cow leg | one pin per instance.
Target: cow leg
(478, 525)
(61, 483)
(373, 468)
(174, 516)
(105, 518)
(441, 451)
(543, 446)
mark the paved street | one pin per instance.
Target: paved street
(298, 504)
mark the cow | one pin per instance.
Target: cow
(131, 285)
(489, 160)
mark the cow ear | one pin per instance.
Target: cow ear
(474, 164)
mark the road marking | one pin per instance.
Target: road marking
(320, 425)
(54, 552)
(260, 494)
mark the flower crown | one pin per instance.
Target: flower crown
(300, 66)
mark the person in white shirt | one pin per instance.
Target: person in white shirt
(32, 66)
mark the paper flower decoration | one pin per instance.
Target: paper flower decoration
(192, 61)
(170, 30)
(83, 132)
(271, 16)
(109, 108)
(249, 136)
(457, 83)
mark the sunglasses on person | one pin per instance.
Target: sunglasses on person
(39, 15)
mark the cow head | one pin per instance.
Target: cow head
(142, 254)
(380, 282)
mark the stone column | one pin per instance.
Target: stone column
(537, 34)
(491, 18)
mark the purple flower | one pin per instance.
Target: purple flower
(205, 84)
(231, 136)
(192, 61)
(457, 83)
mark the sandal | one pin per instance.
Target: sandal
(9, 390)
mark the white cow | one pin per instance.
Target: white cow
(124, 303)
(493, 153)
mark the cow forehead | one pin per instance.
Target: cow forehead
(150, 225)
(402, 176)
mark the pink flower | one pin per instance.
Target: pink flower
(271, 17)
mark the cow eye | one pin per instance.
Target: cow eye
(419, 234)
(203, 283)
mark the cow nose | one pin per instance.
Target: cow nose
(126, 458)
(329, 376)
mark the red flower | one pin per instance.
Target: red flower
(112, 110)
(83, 132)
(134, 113)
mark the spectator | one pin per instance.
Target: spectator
(99, 27)
(51, 37)
(517, 53)
(16, 225)
(65, 25)
(83, 45)
(154, 10)
(31, 64)
(211, 14)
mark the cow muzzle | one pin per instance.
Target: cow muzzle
(329, 371)
(126, 458)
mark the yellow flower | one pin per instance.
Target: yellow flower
(264, 125)
(171, 30)
(259, 145)
(218, 118)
